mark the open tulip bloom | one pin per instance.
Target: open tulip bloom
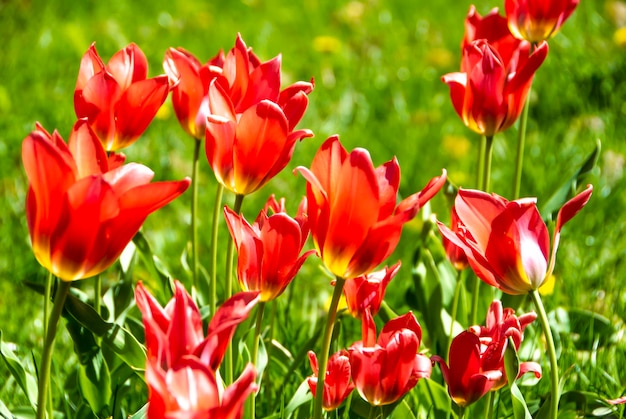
(269, 250)
(506, 242)
(250, 134)
(182, 365)
(117, 98)
(355, 221)
(338, 381)
(82, 207)
(537, 20)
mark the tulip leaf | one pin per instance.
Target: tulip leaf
(4, 411)
(511, 367)
(568, 189)
(590, 330)
(141, 413)
(94, 381)
(26, 381)
(301, 396)
(160, 278)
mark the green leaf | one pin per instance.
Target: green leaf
(5, 413)
(301, 396)
(124, 344)
(94, 381)
(141, 413)
(511, 367)
(590, 330)
(568, 189)
(26, 381)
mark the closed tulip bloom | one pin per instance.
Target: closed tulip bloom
(269, 249)
(250, 134)
(368, 291)
(490, 92)
(82, 207)
(494, 29)
(386, 369)
(190, 87)
(117, 98)
(507, 243)
(338, 382)
(355, 221)
(537, 20)
(502, 324)
(467, 378)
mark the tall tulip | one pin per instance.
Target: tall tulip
(117, 98)
(269, 249)
(490, 91)
(384, 370)
(355, 221)
(250, 128)
(82, 210)
(537, 20)
(507, 243)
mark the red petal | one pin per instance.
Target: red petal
(128, 66)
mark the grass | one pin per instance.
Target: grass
(377, 68)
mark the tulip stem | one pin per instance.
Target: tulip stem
(230, 255)
(324, 354)
(97, 294)
(481, 162)
(48, 346)
(214, 234)
(194, 215)
(255, 353)
(461, 412)
(490, 402)
(554, 366)
(455, 305)
(521, 140)
(486, 182)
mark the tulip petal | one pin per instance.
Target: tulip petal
(128, 66)
(87, 150)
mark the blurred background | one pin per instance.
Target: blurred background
(377, 67)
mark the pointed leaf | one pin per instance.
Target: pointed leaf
(24, 379)
(94, 381)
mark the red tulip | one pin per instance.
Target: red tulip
(355, 222)
(468, 380)
(507, 243)
(190, 390)
(368, 291)
(250, 129)
(269, 249)
(537, 20)
(501, 325)
(455, 254)
(82, 207)
(490, 91)
(337, 384)
(494, 29)
(118, 99)
(190, 87)
(181, 368)
(385, 370)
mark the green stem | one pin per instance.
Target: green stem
(48, 346)
(230, 255)
(324, 354)
(255, 353)
(215, 228)
(97, 294)
(46, 309)
(461, 412)
(481, 162)
(486, 182)
(554, 366)
(194, 215)
(490, 402)
(455, 305)
(265, 383)
(521, 139)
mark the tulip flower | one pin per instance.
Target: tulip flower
(501, 325)
(175, 331)
(182, 364)
(338, 382)
(355, 222)
(455, 254)
(190, 87)
(466, 377)
(385, 370)
(83, 208)
(368, 291)
(537, 20)
(190, 390)
(269, 249)
(117, 98)
(494, 29)
(490, 91)
(250, 133)
(507, 243)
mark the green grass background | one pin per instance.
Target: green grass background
(377, 67)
